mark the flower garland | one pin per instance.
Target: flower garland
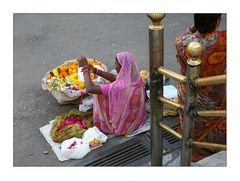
(64, 78)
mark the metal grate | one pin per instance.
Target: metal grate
(122, 154)
(169, 141)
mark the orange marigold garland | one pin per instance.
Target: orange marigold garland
(64, 78)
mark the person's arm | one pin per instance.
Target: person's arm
(90, 88)
(106, 75)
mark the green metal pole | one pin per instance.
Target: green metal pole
(194, 51)
(156, 86)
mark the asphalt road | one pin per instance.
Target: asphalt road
(44, 41)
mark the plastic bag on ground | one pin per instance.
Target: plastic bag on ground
(94, 133)
(75, 148)
(86, 104)
(169, 92)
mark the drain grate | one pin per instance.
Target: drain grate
(170, 142)
(122, 154)
(133, 152)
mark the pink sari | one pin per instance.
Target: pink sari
(123, 110)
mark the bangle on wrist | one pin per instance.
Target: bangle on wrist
(85, 66)
(96, 71)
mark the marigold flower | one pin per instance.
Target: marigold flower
(49, 76)
(65, 77)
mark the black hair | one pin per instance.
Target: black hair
(206, 23)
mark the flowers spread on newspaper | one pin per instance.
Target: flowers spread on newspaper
(66, 79)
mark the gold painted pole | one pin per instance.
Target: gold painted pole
(218, 147)
(171, 103)
(213, 80)
(156, 47)
(212, 113)
(194, 50)
(171, 74)
(171, 131)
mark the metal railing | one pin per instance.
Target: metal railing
(192, 81)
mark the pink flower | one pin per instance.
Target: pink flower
(83, 124)
(73, 120)
(72, 146)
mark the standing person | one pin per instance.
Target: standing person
(213, 62)
(119, 107)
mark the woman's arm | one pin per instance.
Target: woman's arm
(106, 75)
(90, 88)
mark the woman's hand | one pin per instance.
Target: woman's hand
(82, 61)
(92, 69)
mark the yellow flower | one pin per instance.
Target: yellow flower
(64, 75)
(80, 85)
(94, 62)
(55, 72)
(92, 76)
(74, 80)
(144, 75)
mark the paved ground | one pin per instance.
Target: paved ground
(43, 41)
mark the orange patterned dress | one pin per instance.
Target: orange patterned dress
(213, 62)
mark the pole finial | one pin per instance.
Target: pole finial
(156, 19)
(194, 51)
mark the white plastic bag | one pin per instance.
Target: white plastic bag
(86, 104)
(77, 148)
(74, 148)
(92, 133)
(169, 92)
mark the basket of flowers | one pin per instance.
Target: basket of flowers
(66, 82)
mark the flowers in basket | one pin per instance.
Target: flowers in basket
(65, 78)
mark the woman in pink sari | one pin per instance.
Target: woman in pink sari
(119, 107)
